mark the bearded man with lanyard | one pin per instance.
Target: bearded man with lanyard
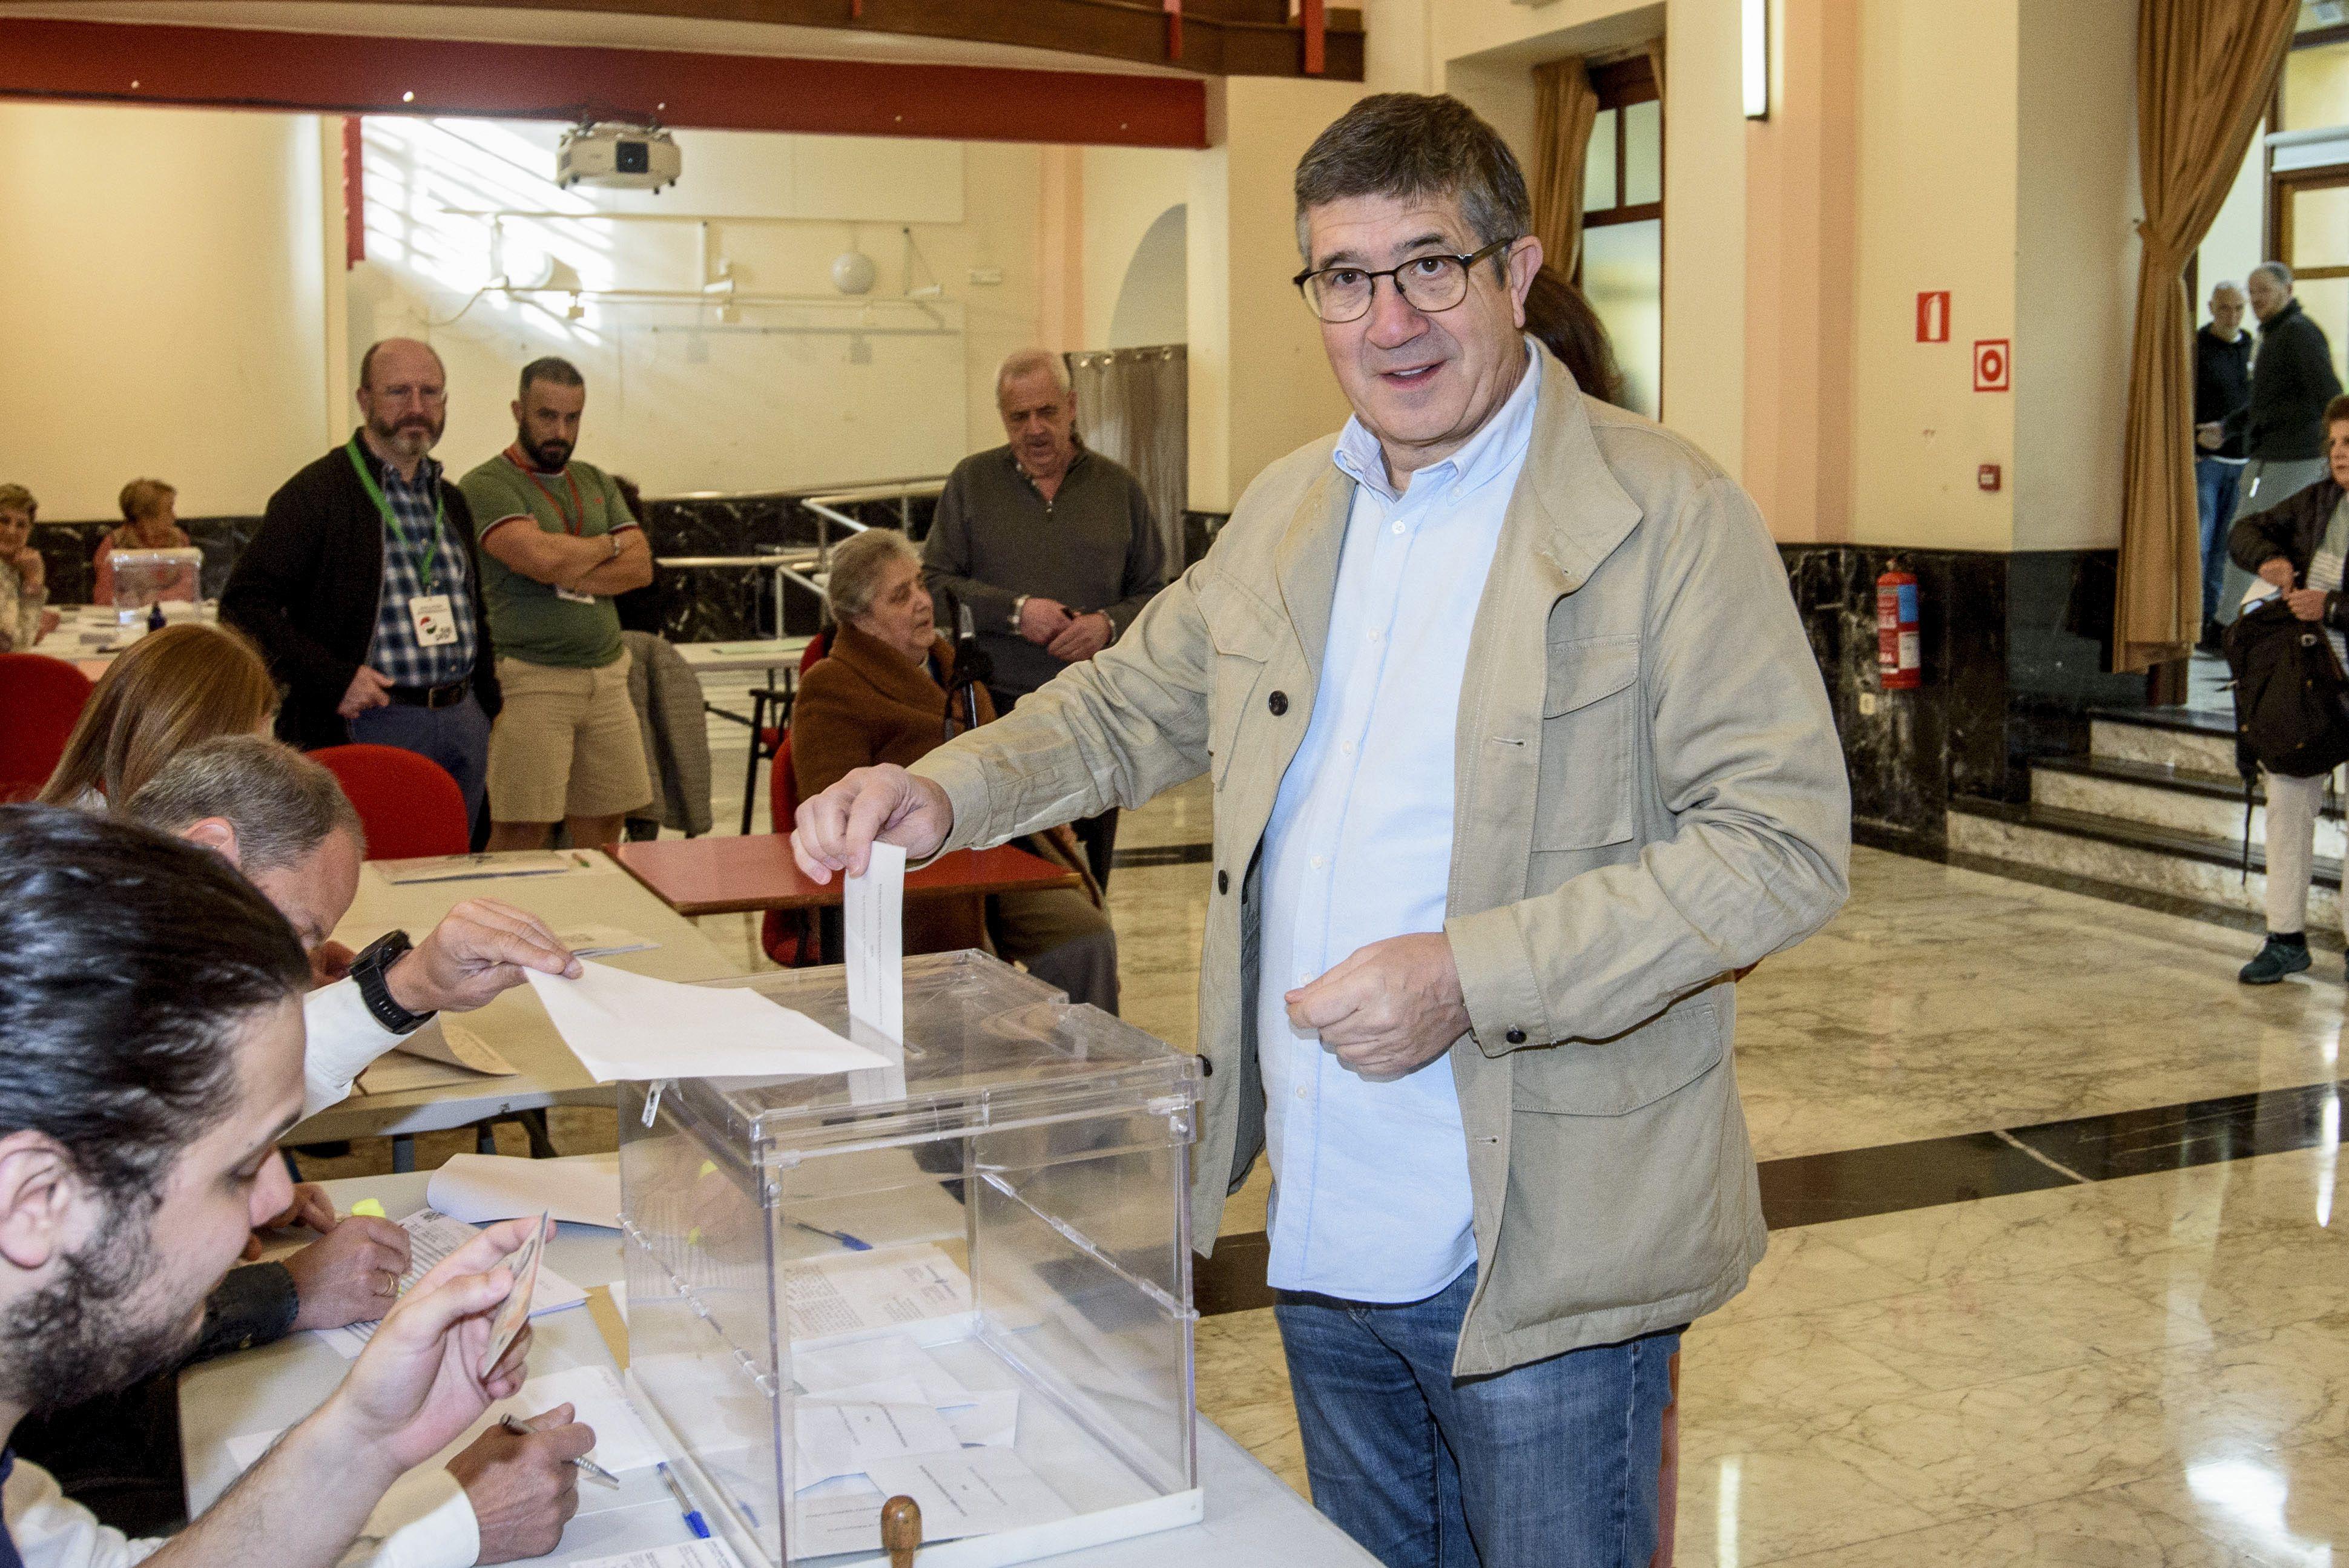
(557, 542)
(363, 589)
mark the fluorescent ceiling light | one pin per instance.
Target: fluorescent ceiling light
(1757, 59)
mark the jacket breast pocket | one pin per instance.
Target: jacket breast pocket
(1590, 725)
(1245, 634)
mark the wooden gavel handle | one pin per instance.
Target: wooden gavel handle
(901, 1531)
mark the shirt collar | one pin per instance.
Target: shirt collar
(1497, 444)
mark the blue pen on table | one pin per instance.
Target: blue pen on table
(582, 1461)
(854, 1243)
(684, 1506)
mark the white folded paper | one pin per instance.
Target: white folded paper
(633, 1028)
(579, 1190)
(874, 922)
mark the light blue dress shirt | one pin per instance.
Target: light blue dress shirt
(1371, 1197)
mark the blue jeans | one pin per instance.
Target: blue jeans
(1550, 1465)
(2214, 491)
(457, 737)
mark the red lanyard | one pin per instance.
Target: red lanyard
(572, 521)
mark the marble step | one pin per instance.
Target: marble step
(2200, 747)
(2112, 849)
(2176, 800)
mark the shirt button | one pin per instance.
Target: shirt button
(1319, 860)
(1278, 702)
(1378, 636)
(1514, 1037)
(1398, 527)
(1302, 1093)
(1347, 747)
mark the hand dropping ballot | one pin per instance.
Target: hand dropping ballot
(873, 914)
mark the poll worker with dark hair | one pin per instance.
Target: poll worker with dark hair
(150, 1002)
(1519, 755)
(558, 544)
(363, 588)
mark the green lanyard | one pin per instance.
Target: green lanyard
(425, 568)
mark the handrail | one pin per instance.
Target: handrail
(872, 489)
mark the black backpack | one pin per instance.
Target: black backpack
(2289, 690)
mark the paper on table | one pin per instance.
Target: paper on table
(603, 941)
(466, 868)
(444, 1040)
(993, 1423)
(848, 1371)
(684, 1555)
(847, 1292)
(970, 1491)
(874, 922)
(432, 1236)
(579, 1190)
(848, 1439)
(632, 1027)
(622, 1442)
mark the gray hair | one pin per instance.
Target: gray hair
(2225, 285)
(857, 567)
(2275, 273)
(282, 804)
(1026, 362)
(1412, 146)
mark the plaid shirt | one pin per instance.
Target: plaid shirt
(395, 650)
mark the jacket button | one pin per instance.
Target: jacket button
(1514, 1037)
(1278, 702)
(1206, 1068)
(1223, 882)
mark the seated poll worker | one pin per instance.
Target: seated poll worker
(557, 544)
(1520, 752)
(879, 695)
(226, 794)
(149, 998)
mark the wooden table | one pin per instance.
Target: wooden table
(726, 876)
(515, 1024)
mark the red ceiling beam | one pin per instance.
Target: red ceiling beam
(323, 73)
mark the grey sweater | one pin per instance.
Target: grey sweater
(1093, 546)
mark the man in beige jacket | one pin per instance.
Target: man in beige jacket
(1476, 997)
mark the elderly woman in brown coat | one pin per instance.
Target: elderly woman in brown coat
(879, 695)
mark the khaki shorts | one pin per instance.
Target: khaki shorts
(566, 744)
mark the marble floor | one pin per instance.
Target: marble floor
(2148, 1369)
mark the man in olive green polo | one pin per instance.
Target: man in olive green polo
(557, 542)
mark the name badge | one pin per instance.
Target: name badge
(572, 595)
(435, 624)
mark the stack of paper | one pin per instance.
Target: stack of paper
(579, 1190)
(432, 1236)
(847, 1292)
(624, 1027)
(623, 1441)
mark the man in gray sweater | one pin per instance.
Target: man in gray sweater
(1051, 547)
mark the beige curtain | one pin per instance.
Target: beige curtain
(2205, 70)
(1563, 110)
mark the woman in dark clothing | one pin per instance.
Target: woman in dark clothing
(1557, 314)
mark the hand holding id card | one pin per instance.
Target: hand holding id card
(514, 1311)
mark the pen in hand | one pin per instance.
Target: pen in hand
(582, 1461)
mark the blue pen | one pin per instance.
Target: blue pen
(692, 1515)
(853, 1244)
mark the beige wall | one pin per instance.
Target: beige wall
(1937, 210)
(1127, 189)
(2075, 270)
(162, 306)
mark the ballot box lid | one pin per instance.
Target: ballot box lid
(987, 1048)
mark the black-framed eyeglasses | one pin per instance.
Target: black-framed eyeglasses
(1428, 284)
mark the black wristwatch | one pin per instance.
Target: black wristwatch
(367, 970)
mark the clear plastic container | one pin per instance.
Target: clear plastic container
(970, 1274)
(143, 577)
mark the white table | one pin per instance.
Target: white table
(90, 636)
(1253, 1519)
(515, 1024)
(771, 654)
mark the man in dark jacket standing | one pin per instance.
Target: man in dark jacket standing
(364, 589)
(2282, 427)
(2222, 386)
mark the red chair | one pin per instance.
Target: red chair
(409, 804)
(790, 938)
(43, 697)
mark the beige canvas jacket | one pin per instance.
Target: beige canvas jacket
(1650, 796)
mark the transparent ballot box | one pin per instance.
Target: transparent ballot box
(142, 577)
(966, 1278)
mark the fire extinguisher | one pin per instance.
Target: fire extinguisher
(1897, 662)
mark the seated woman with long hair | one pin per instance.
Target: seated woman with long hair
(879, 695)
(167, 691)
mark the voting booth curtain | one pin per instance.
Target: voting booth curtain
(1132, 408)
(2205, 72)
(1565, 108)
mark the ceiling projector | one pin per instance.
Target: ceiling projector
(619, 157)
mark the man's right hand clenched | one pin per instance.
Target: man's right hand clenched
(837, 828)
